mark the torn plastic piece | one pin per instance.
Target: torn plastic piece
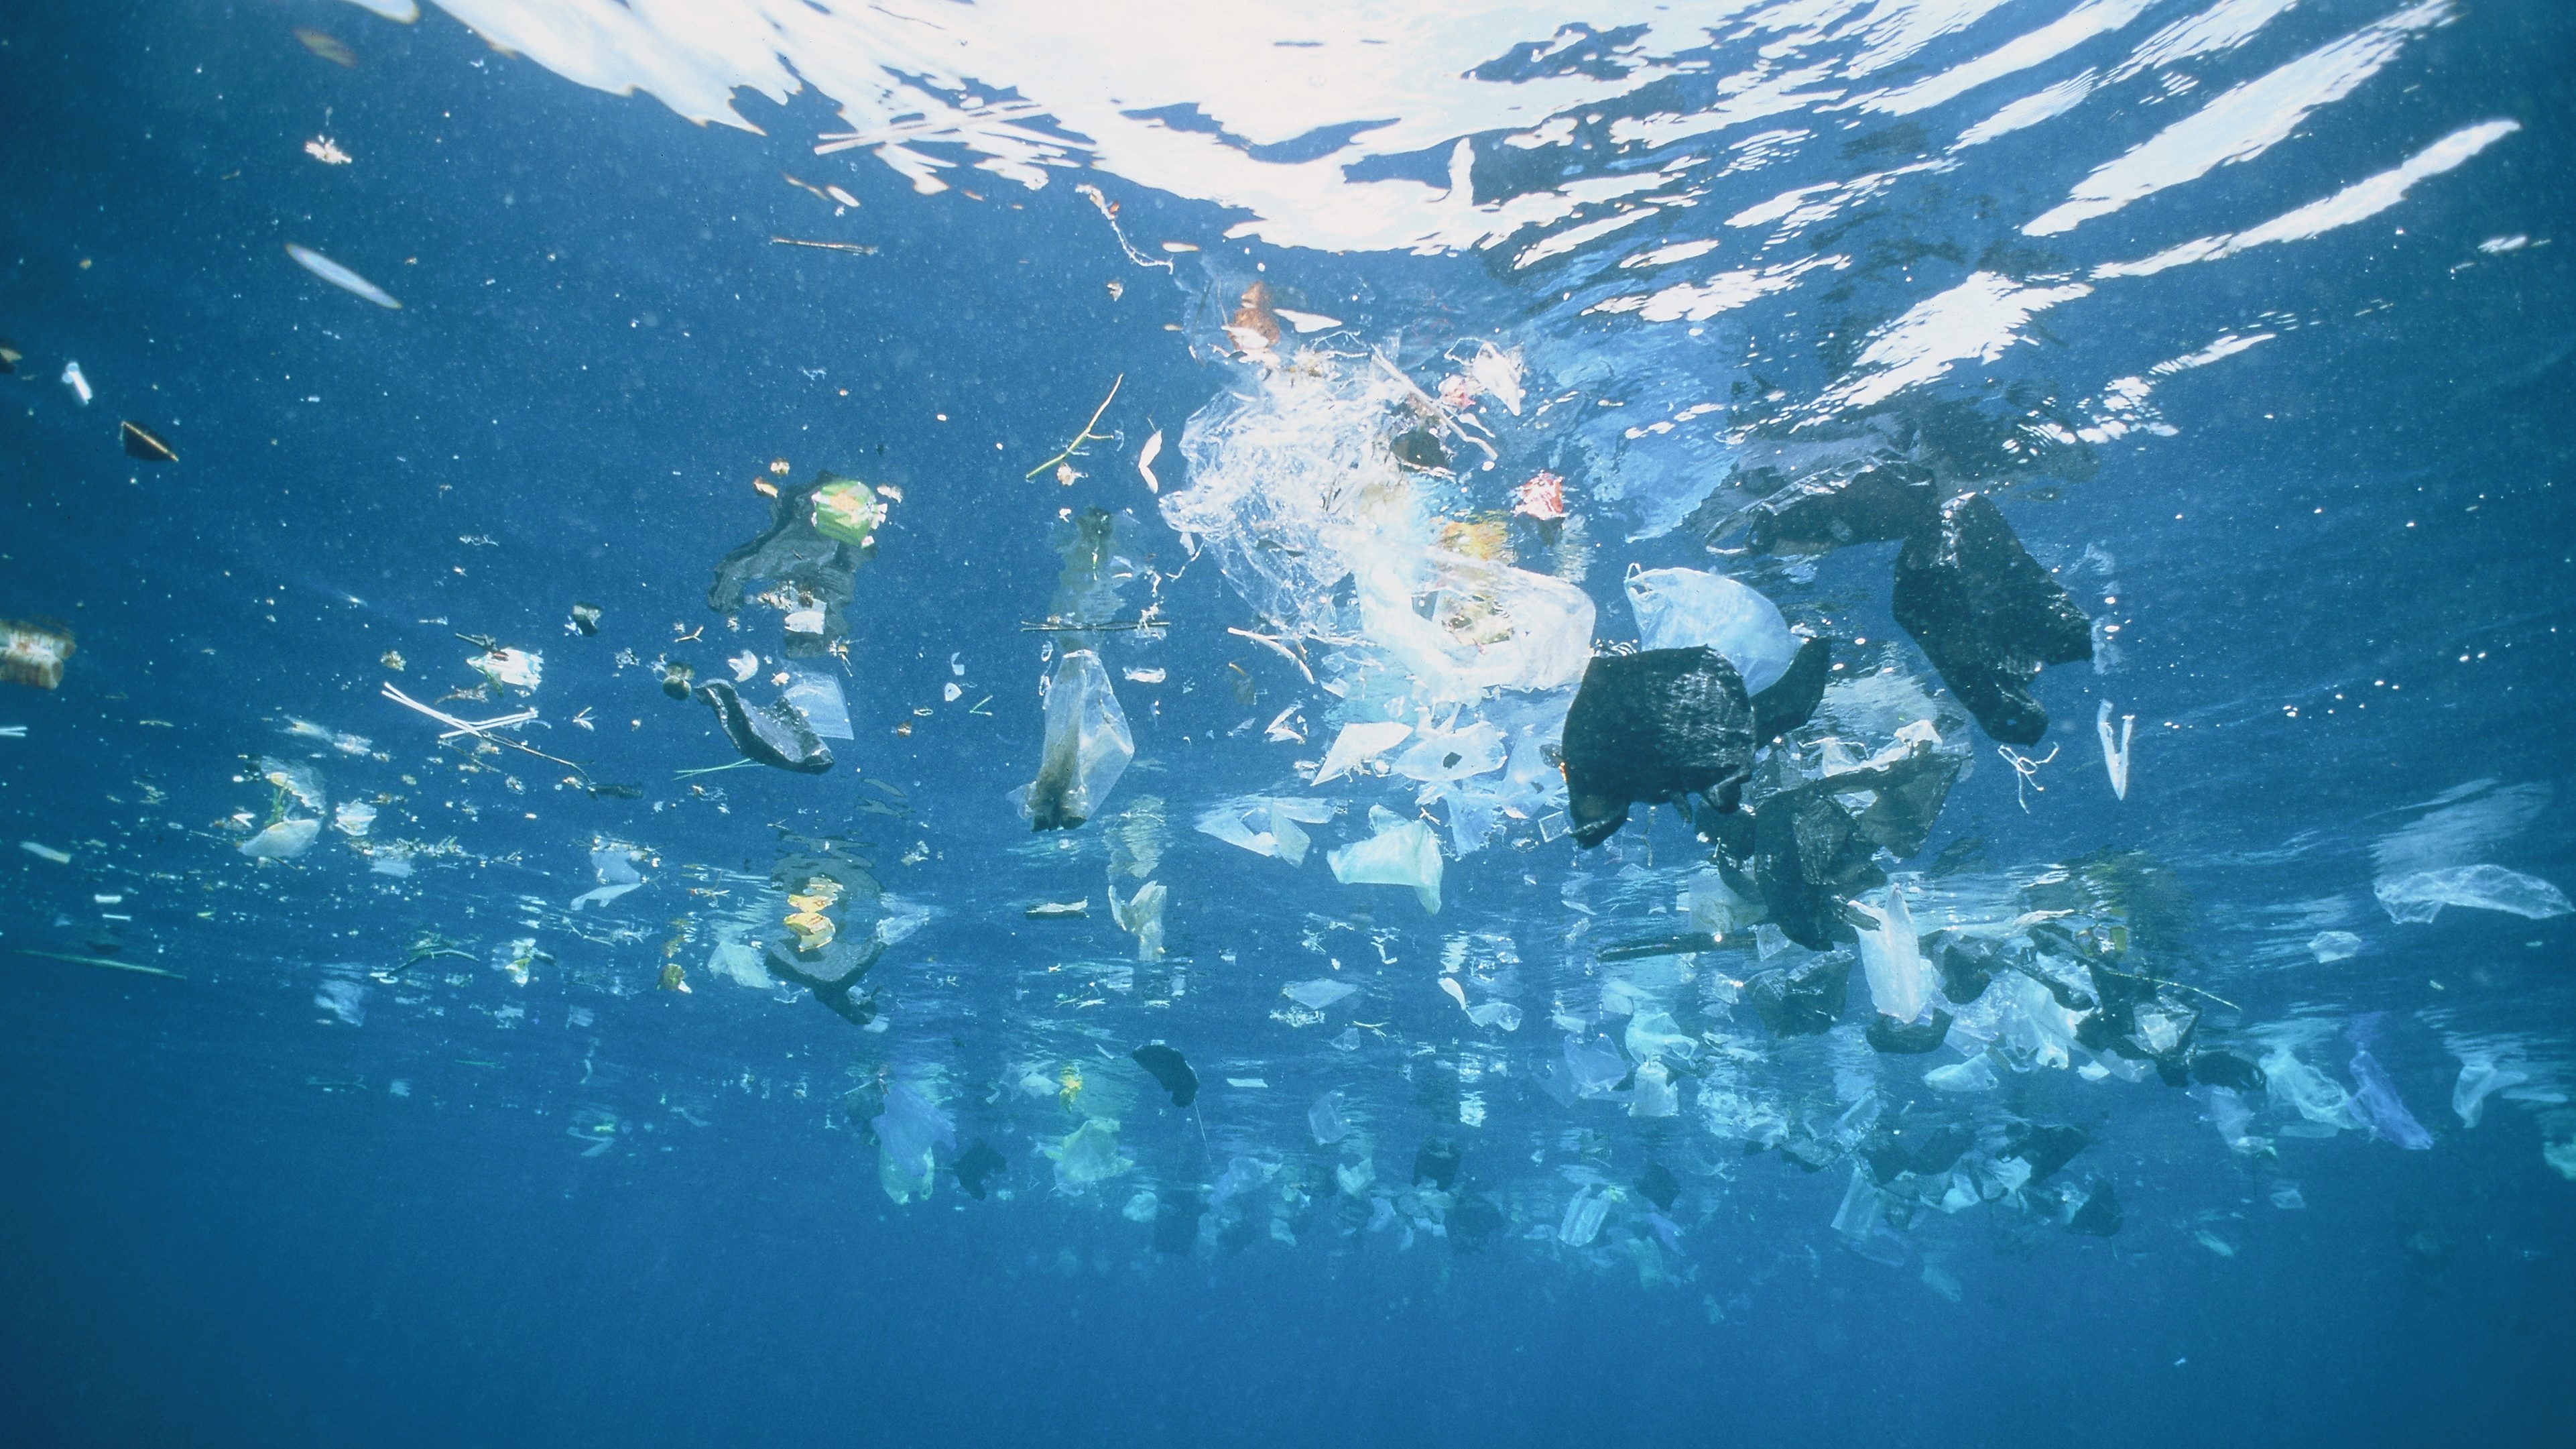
(33, 653)
(1440, 756)
(1973, 1075)
(1686, 608)
(1265, 825)
(817, 696)
(1654, 726)
(2332, 946)
(1808, 857)
(1087, 745)
(1325, 1122)
(1987, 615)
(771, 734)
(2376, 1096)
(1357, 744)
(2420, 896)
(585, 619)
(1319, 993)
(1402, 852)
(1896, 1039)
(1141, 917)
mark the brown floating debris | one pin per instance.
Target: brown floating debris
(327, 46)
(142, 442)
(33, 653)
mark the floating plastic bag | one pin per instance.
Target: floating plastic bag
(2420, 896)
(1142, 917)
(1680, 608)
(2311, 1093)
(1901, 982)
(1464, 625)
(1653, 1033)
(1655, 1096)
(908, 1128)
(1402, 852)
(1087, 745)
(1319, 993)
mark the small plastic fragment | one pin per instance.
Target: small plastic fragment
(848, 510)
(2481, 1077)
(585, 619)
(2332, 946)
(2115, 756)
(817, 696)
(518, 668)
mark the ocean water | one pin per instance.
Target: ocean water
(410, 1029)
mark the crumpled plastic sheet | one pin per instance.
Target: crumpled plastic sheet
(1087, 746)
(1402, 852)
(1679, 608)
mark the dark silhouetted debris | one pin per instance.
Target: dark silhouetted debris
(1792, 698)
(2227, 1069)
(975, 1167)
(1419, 450)
(677, 679)
(1896, 1038)
(2045, 1148)
(1803, 1000)
(2099, 1217)
(1967, 964)
(1987, 615)
(1924, 1149)
(141, 442)
(1807, 860)
(610, 791)
(1654, 726)
(771, 734)
(585, 618)
(1473, 1223)
(1659, 1185)
(1437, 1164)
(1171, 1069)
(812, 574)
(1885, 503)
(1176, 1221)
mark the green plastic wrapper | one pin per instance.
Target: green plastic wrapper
(848, 510)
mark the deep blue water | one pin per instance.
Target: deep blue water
(460, 1209)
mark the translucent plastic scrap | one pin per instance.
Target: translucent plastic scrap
(1594, 1067)
(817, 696)
(1654, 1096)
(1901, 983)
(301, 781)
(284, 840)
(1583, 1217)
(1142, 917)
(1440, 756)
(2311, 1093)
(1679, 608)
(2418, 897)
(1464, 625)
(1359, 743)
(907, 1130)
(521, 669)
(1089, 1154)
(2481, 1077)
(1652, 1032)
(1972, 1075)
(1325, 1122)
(1266, 825)
(1087, 745)
(2332, 946)
(1319, 993)
(1402, 852)
(2375, 1096)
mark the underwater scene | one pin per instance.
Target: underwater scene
(930, 723)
